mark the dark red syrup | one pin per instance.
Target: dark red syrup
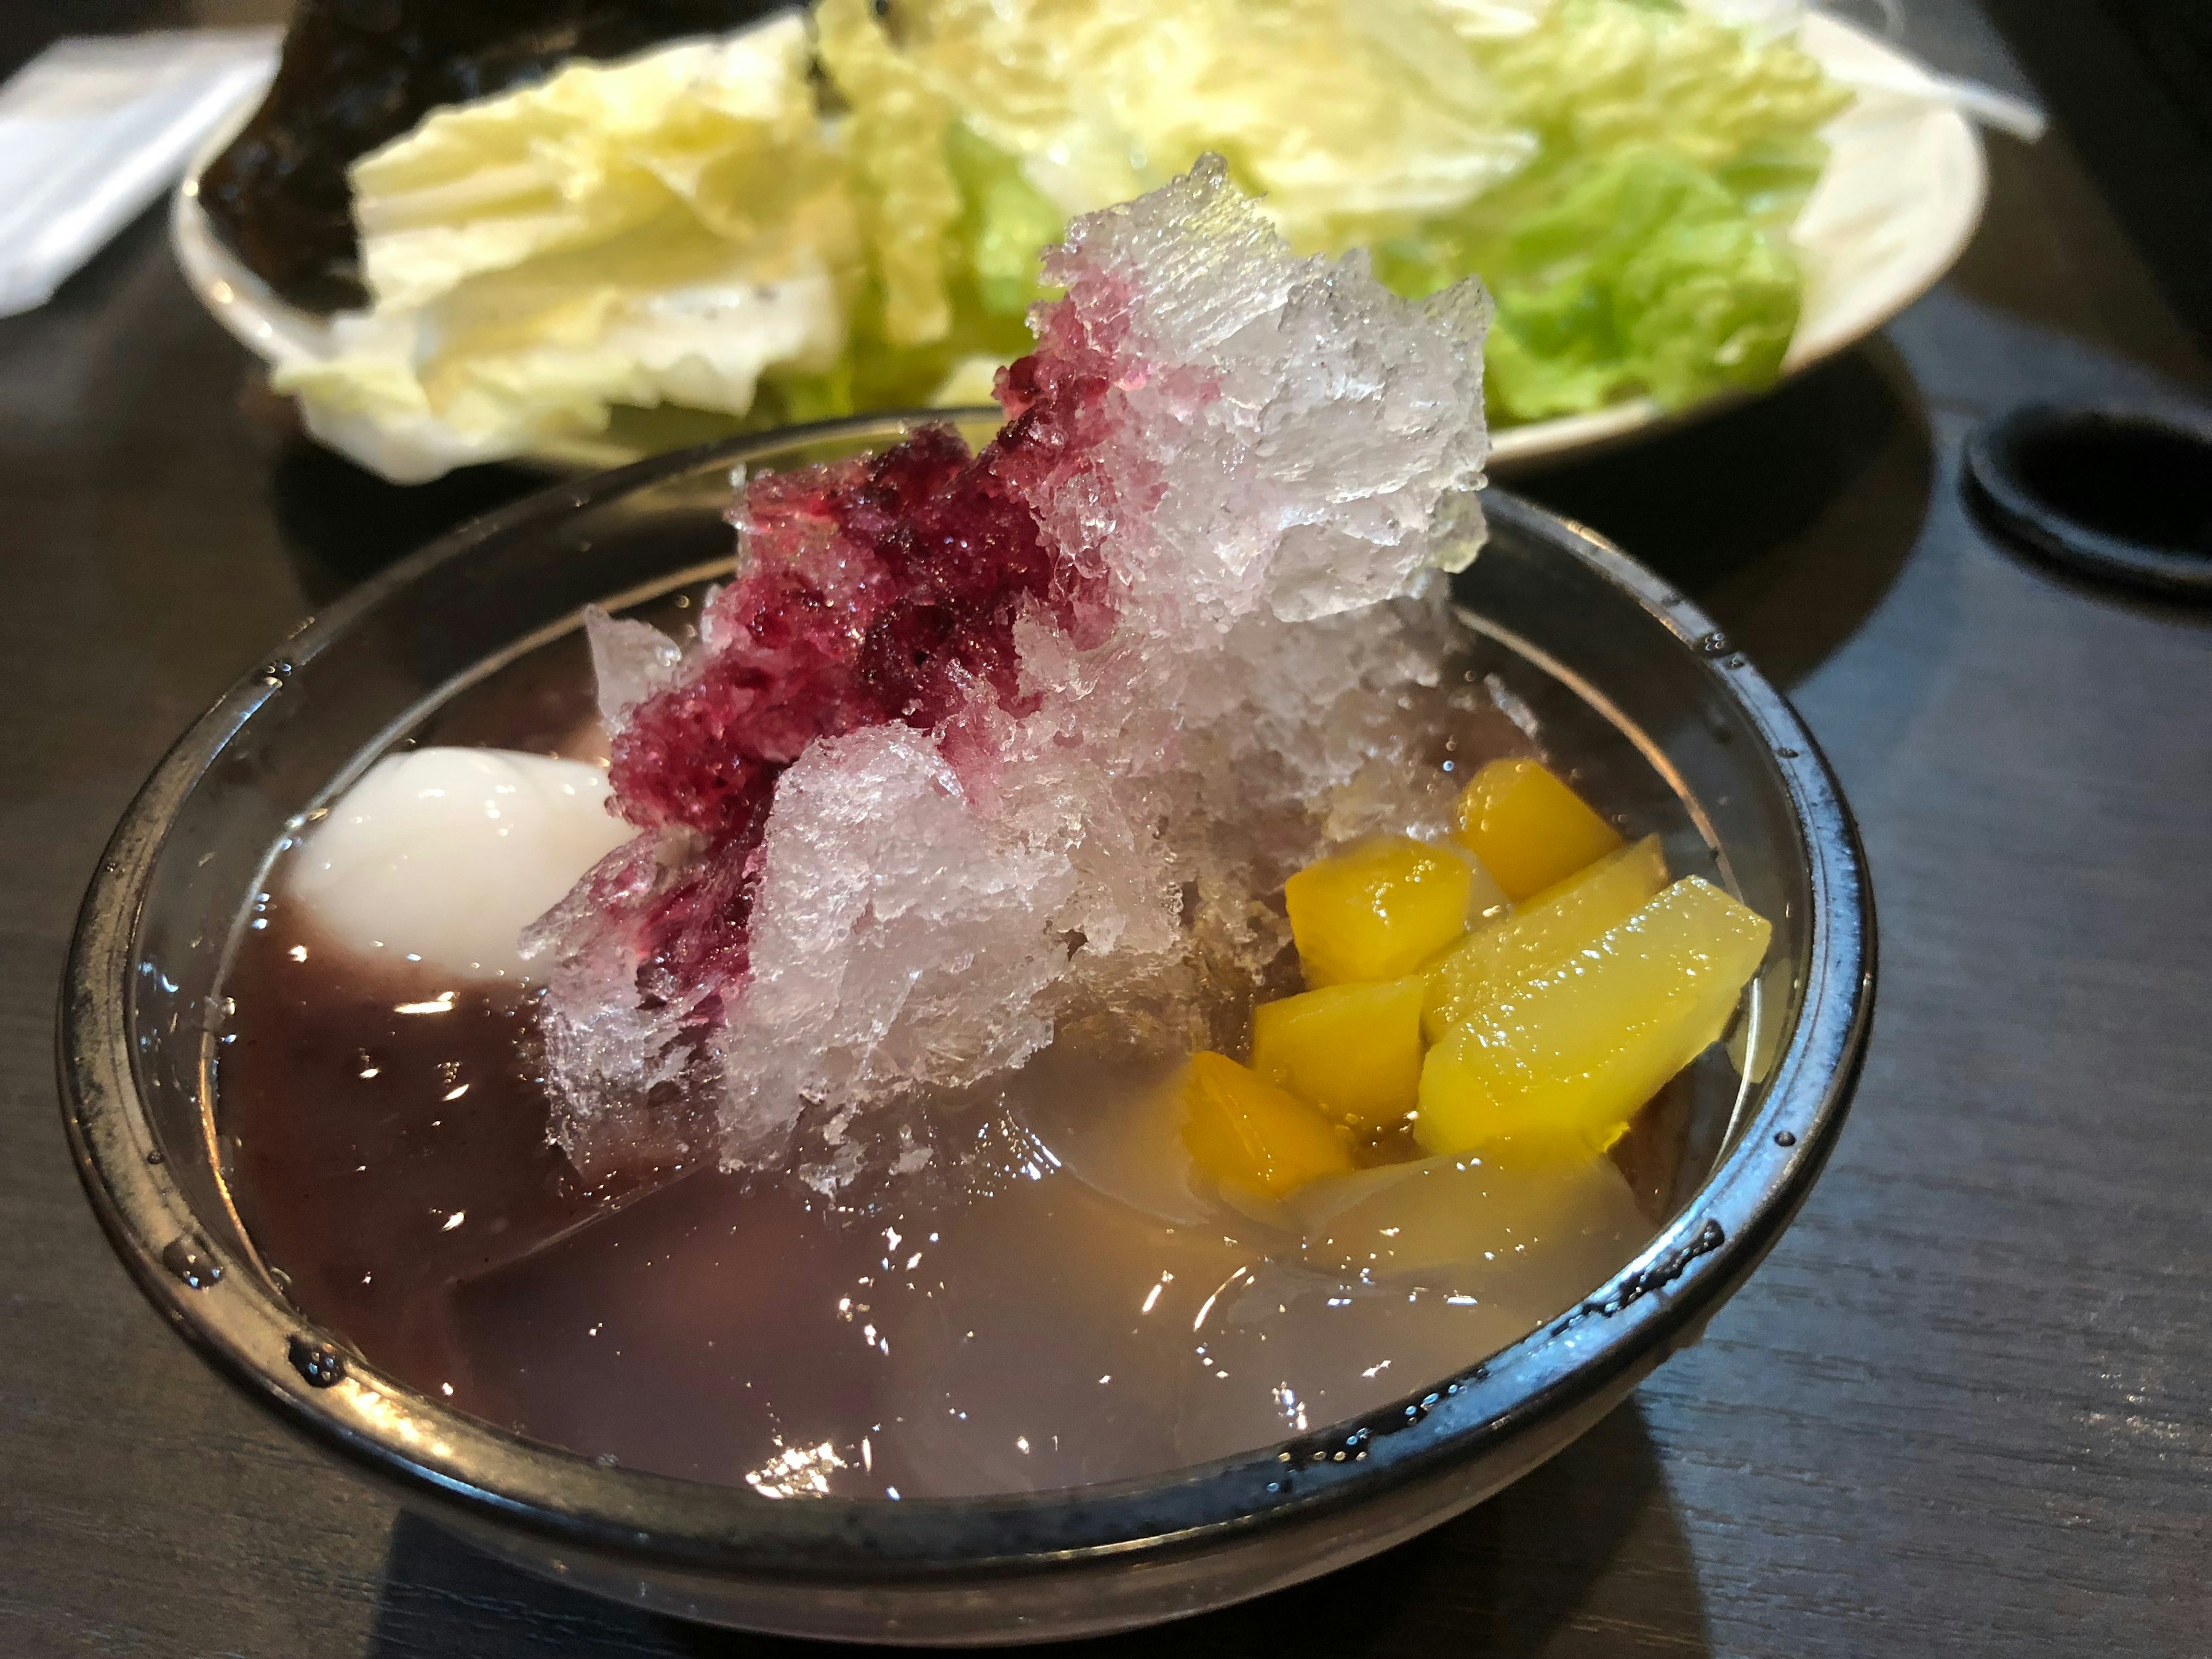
(885, 588)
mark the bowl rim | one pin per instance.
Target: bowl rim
(225, 1307)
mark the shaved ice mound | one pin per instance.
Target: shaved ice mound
(973, 750)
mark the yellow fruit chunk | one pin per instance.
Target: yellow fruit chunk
(1551, 926)
(1527, 828)
(1247, 1134)
(1379, 909)
(1571, 1052)
(1352, 1050)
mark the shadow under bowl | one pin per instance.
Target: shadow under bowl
(141, 1020)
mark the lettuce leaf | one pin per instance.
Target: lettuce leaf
(843, 212)
(658, 231)
(1622, 172)
(1644, 275)
(1645, 250)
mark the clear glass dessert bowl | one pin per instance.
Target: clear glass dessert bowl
(1612, 660)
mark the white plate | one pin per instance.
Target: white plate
(1902, 192)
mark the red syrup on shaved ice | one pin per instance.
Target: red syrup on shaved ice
(1191, 559)
(882, 589)
(836, 1132)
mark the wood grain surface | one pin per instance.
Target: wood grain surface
(1966, 1407)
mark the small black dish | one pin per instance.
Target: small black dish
(2121, 494)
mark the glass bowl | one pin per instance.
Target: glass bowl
(1601, 646)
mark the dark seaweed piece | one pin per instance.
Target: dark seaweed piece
(356, 73)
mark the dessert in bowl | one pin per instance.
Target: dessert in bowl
(1104, 1065)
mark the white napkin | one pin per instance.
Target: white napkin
(92, 129)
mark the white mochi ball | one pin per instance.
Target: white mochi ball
(444, 855)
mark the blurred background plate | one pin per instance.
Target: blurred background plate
(1904, 190)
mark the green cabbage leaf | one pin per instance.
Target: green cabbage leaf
(844, 212)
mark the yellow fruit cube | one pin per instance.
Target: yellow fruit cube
(1379, 909)
(1551, 926)
(1570, 1053)
(1527, 828)
(1250, 1135)
(1352, 1050)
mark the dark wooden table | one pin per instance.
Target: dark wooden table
(1966, 1407)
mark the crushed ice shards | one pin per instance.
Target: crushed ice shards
(972, 750)
(1270, 432)
(630, 661)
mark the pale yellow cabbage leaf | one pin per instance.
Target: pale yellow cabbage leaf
(661, 230)
(842, 212)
